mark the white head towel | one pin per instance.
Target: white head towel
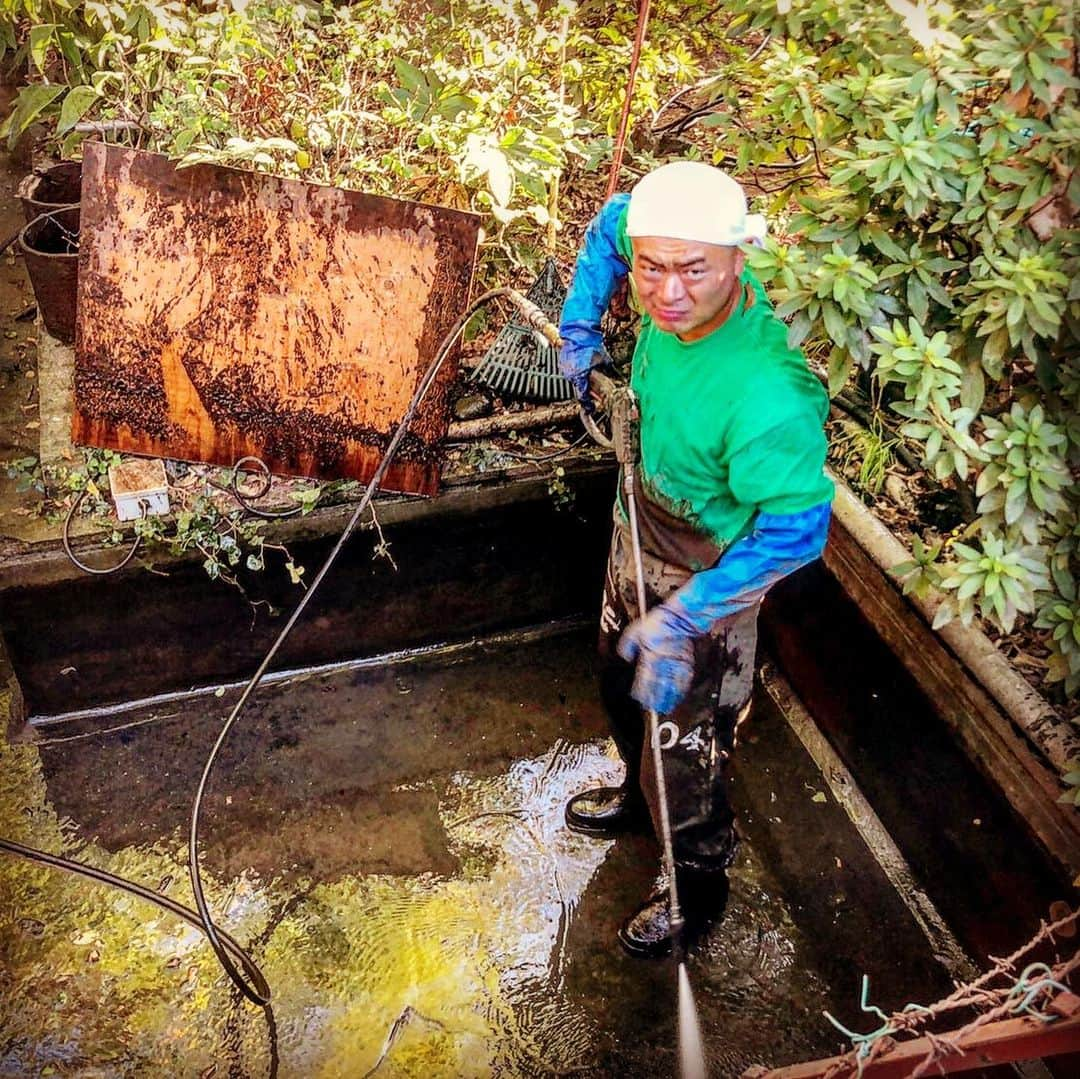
(689, 200)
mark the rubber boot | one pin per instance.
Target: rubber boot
(607, 811)
(648, 932)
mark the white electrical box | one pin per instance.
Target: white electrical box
(139, 488)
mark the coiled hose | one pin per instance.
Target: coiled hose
(237, 963)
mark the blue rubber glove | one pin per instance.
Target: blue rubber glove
(597, 273)
(665, 660)
(662, 641)
(778, 545)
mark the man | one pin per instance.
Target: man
(731, 497)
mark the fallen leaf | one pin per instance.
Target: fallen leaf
(1060, 909)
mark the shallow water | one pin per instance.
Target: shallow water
(391, 846)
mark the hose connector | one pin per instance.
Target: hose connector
(535, 318)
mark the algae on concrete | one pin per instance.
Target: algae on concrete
(56, 386)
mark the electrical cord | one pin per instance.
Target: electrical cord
(248, 499)
(245, 500)
(65, 535)
(537, 458)
(236, 962)
(163, 901)
(252, 992)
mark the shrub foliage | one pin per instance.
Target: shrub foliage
(919, 160)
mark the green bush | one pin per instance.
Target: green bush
(920, 161)
(930, 254)
(471, 104)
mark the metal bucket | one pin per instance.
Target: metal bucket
(50, 247)
(54, 187)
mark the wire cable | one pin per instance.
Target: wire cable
(537, 458)
(65, 535)
(102, 877)
(246, 499)
(236, 962)
(253, 992)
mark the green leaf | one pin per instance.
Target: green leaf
(1015, 502)
(412, 78)
(500, 177)
(841, 364)
(30, 104)
(800, 327)
(887, 246)
(943, 616)
(973, 387)
(916, 296)
(41, 38)
(75, 106)
(835, 325)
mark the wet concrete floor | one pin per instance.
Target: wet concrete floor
(391, 845)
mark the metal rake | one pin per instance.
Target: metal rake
(519, 364)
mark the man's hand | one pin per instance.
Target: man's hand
(590, 383)
(583, 391)
(665, 660)
(602, 386)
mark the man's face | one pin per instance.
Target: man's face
(686, 287)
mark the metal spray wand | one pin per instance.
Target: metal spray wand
(691, 1049)
(624, 440)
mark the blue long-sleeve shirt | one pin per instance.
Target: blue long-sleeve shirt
(597, 274)
(777, 543)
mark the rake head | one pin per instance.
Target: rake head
(519, 364)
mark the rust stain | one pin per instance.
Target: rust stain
(223, 313)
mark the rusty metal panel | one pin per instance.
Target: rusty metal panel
(223, 313)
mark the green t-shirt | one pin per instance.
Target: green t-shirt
(731, 424)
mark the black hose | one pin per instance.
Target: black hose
(537, 458)
(247, 499)
(66, 537)
(254, 987)
(254, 993)
(186, 913)
(6, 243)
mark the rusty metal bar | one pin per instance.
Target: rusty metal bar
(1004, 1042)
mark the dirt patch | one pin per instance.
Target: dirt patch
(19, 420)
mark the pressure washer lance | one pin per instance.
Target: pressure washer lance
(625, 424)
